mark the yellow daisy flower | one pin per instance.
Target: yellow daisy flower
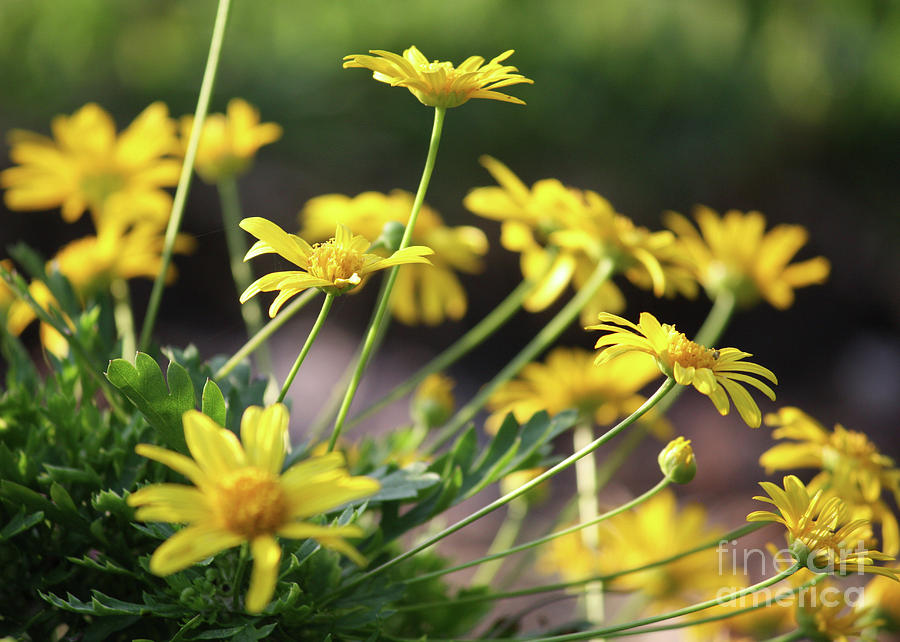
(229, 141)
(830, 617)
(820, 533)
(440, 84)
(655, 530)
(87, 166)
(241, 495)
(850, 465)
(422, 294)
(734, 252)
(336, 266)
(569, 379)
(582, 228)
(717, 374)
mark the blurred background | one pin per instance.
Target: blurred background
(791, 108)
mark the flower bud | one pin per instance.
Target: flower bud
(390, 237)
(677, 462)
(433, 403)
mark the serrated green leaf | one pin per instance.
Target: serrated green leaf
(20, 523)
(107, 501)
(62, 498)
(161, 404)
(213, 403)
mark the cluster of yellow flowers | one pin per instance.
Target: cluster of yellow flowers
(565, 237)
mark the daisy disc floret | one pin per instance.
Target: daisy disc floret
(239, 494)
(820, 531)
(440, 84)
(335, 266)
(718, 374)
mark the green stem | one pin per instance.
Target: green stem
(313, 333)
(505, 538)
(560, 586)
(538, 344)
(460, 348)
(382, 306)
(78, 351)
(329, 409)
(267, 331)
(241, 272)
(588, 510)
(547, 538)
(239, 573)
(124, 318)
(788, 637)
(521, 490)
(184, 181)
(700, 606)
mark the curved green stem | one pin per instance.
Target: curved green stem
(311, 337)
(505, 538)
(184, 180)
(382, 306)
(461, 347)
(546, 538)
(241, 272)
(700, 606)
(521, 490)
(538, 344)
(124, 317)
(267, 331)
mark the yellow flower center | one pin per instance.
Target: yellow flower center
(97, 187)
(335, 264)
(251, 502)
(688, 354)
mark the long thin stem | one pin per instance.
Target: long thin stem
(267, 331)
(382, 306)
(184, 181)
(700, 606)
(588, 510)
(546, 538)
(241, 272)
(548, 334)
(124, 318)
(521, 490)
(311, 337)
(504, 539)
(461, 347)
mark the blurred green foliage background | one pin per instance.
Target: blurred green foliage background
(791, 107)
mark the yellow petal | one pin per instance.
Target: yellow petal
(266, 558)
(216, 449)
(189, 546)
(263, 434)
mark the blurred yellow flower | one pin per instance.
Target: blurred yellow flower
(336, 266)
(830, 617)
(820, 532)
(882, 596)
(240, 495)
(440, 84)
(734, 252)
(229, 141)
(569, 379)
(850, 465)
(86, 166)
(433, 402)
(20, 315)
(655, 530)
(717, 374)
(422, 294)
(570, 231)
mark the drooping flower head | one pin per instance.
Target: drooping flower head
(562, 233)
(832, 618)
(229, 141)
(820, 532)
(735, 253)
(568, 379)
(422, 294)
(440, 84)
(336, 266)
(850, 465)
(239, 494)
(718, 374)
(87, 166)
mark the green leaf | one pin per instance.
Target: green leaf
(213, 403)
(65, 475)
(160, 404)
(20, 523)
(62, 498)
(405, 483)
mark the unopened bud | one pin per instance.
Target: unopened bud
(677, 462)
(390, 237)
(433, 403)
